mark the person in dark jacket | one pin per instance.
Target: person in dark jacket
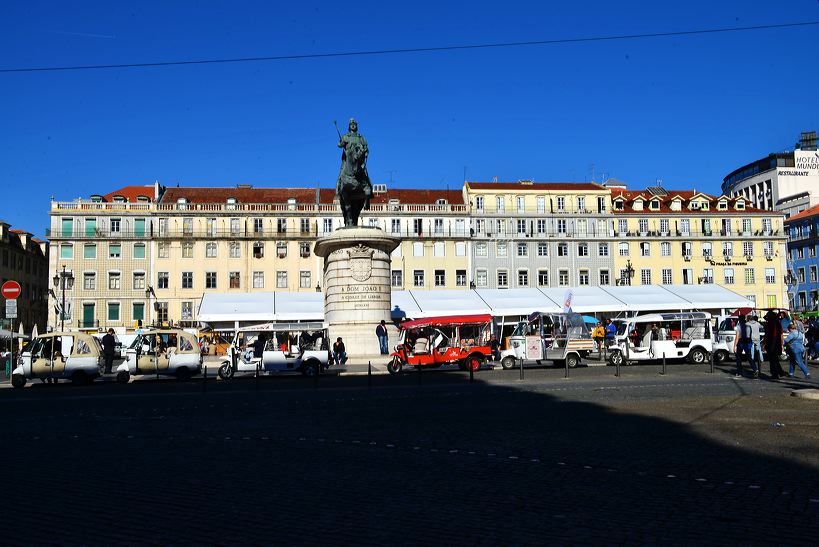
(339, 352)
(773, 344)
(109, 347)
(381, 333)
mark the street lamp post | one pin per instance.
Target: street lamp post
(626, 274)
(60, 279)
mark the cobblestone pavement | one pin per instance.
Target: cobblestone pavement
(684, 458)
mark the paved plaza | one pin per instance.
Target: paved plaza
(686, 457)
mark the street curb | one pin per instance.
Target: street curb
(809, 393)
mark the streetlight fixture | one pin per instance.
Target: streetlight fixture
(61, 279)
(626, 274)
(318, 287)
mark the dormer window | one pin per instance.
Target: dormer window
(182, 203)
(291, 204)
(676, 204)
(393, 203)
(618, 204)
(231, 203)
(96, 198)
(722, 205)
(119, 199)
(143, 199)
(440, 201)
(638, 204)
(654, 205)
(740, 205)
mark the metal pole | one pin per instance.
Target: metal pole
(520, 364)
(257, 376)
(369, 375)
(471, 373)
(420, 368)
(566, 366)
(62, 310)
(205, 377)
(712, 362)
(11, 350)
(663, 372)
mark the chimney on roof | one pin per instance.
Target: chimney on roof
(43, 247)
(244, 186)
(4, 231)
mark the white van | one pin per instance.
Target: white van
(675, 336)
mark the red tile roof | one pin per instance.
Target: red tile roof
(805, 214)
(131, 193)
(630, 196)
(303, 195)
(544, 186)
(20, 232)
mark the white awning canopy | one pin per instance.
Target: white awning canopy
(515, 301)
(642, 298)
(710, 297)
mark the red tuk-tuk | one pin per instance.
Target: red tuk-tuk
(435, 341)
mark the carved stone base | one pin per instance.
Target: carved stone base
(357, 291)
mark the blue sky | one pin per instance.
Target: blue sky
(686, 110)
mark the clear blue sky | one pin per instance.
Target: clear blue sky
(686, 110)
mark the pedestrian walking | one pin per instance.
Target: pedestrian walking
(773, 344)
(381, 333)
(742, 347)
(494, 347)
(611, 330)
(109, 345)
(599, 336)
(756, 341)
(339, 352)
(795, 343)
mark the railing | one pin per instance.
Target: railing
(92, 324)
(87, 205)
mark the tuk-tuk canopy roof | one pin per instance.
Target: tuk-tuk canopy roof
(446, 320)
(283, 327)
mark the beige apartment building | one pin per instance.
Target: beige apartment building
(150, 253)
(25, 259)
(687, 237)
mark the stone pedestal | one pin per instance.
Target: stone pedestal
(357, 290)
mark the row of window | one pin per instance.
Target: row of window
(502, 277)
(800, 274)
(623, 248)
(799, 252)
(234, 280)
(89, 250)
(555, 204)
(419, 278)
(22, 263)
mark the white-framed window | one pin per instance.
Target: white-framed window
(460, 278)
(562, 249)
(541, 225)
(581, 203)
(139, 281)
(748, 248)
(417, 249)
(503, 279)
(281, 279)
(622, 248)
(521, 203)
(258, 280)
(622, 226)
(666, 275)
(114, 250)
(480, 249)
(523, 278)
(645, 276)
(234, 280)
(645, 248)
(438, 248)
(258, 249)
(116, 225)
(210, 227)
(305, 279)
(727, 248)
(521, 226)
(460, 248)
(664, 230)
(327, 225)
(481, 278)
(395, 226)
(187, 249)
(500, 249)
(210, 280)
(543, 249)
(235, 227)
(728, 276)
(541, 204)
(685, 227)
(643, 222)
(210, 249)
(500, 206)
(89, 250)
(768, 248)
(665, 248)
(523, 248)
(561, 226)
(397, 278)
(708, 275)
(601, 204)
(543, 278)
(479, 203)
(235, 249)
(440, 278)
(605, 277)
(583, 277)
(563, 278)
(187, 310)
(258, 225)
(750, 276)
(114, 281)
(162, 280)
(707, 251)
(89, 281)
(561, 203)
(582, 249)
(602, 249)
(163, 249)
(418, 278)
(67, 251)
(281, 249)
(113, 311)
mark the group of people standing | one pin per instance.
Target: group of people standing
(780, 333)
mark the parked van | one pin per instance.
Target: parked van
(562, 338)
(675, 336)
(57, 356)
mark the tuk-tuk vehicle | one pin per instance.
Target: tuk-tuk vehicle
(57, 356)
(164, 352)
(277, 347)
(676, 336)
(436, 341)
(563, 338)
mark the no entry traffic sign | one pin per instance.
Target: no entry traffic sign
(10, 290)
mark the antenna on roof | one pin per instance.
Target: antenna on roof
(494, 179)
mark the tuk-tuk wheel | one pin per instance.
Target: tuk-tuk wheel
(697, 356)
(310, 368)
(394, 366)
(225, 372)
(18, 380)
(123, 376)
(474, 362)
(616, 358)
(183, 374)
(572, 360)
(720, 356)
(508, 362)
(80, 378)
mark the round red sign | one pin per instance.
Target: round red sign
(10, 290)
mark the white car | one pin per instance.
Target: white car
(284, 347)
(58, 356)
(162, 352)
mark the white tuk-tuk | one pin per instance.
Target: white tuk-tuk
(277, 347)
(562, 338)
(59, 355)
(675, 336)
(165, 352)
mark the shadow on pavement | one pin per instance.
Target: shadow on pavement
(443, 461)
